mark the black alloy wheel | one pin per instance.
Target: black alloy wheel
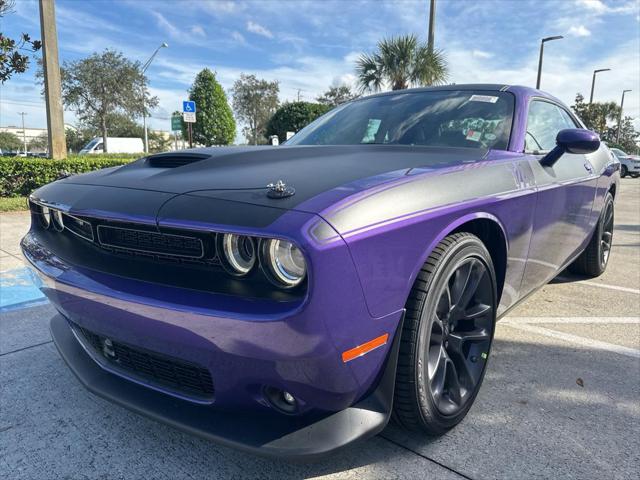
(447, 336)
(460, 336)
(606, 237)
(593, 261)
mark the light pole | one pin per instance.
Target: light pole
(544, 40)
(24, 133)
(144, 95)
(593, 82)
(432, 25)
(620, 115)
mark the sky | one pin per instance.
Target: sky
(310, 45)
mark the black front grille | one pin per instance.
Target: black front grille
(150, 242)
(155, 368)
(80, 227)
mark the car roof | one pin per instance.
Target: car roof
(518, 90)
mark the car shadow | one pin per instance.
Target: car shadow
(547, 409)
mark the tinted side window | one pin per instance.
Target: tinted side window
(544, 122)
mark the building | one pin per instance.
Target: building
(30, 134)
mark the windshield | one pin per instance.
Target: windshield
(439, 118)
(618, 152)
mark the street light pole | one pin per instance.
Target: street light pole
(144, 96)
(432, 25)
(544, 40)
(620, 115)
(24, 133)
(593, 82)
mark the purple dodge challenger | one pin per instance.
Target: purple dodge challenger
(290, 300)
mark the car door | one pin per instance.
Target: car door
(564, 198)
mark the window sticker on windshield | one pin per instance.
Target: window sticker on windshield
(372, 130)
(483, 98)
(474, 135)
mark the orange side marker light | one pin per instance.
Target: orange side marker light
(360, 350)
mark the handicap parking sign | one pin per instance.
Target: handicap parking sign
(189, 106)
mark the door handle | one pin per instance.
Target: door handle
(588, 167)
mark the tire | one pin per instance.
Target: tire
(425, 395)
(623, 171)
(593, 261)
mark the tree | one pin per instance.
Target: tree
(292, 117)
(76, 138)
(10, 142)
(255, 102)
(11, 59)
(401, 62)
(215, 124)
(104, 84)
(41, 142)
(629, 136)
(595, 115)
(337, 95)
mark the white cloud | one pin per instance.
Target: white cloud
(579, 31)
(238, 37)
(594, 5)
(166, 25)
(481, 54)
(198, 31)
(599, 7)
(258, 29)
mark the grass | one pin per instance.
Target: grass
(13, 204)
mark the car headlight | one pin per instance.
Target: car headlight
(284, 262)
(56, 219)
(45, 216)
(237, 253)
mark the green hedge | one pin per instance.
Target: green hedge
(20, 176)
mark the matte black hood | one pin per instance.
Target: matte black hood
(242, 173)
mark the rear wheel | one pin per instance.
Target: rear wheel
(447, 336)
(593, 261)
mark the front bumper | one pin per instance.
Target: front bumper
(247, 345)
(269, 434)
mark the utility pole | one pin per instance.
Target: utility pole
(24, 134)
(544, 40)
(52, 87)
(620, 115)
(432, 26)
(593, 82)
(299, 90)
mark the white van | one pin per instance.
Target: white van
(115, 145)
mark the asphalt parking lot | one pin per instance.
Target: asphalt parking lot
(561, 398)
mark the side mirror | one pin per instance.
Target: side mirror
(572, 140)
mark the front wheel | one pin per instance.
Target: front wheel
(623, 171)
(447, 336)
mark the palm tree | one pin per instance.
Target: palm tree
(401, 62)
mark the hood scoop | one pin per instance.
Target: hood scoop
(174, 160)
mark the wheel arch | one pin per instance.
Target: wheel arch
(490, 230)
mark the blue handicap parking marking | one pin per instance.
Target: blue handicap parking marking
(19, 289)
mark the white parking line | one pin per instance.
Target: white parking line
(583, 320)
(527, 324)
(604, 285)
